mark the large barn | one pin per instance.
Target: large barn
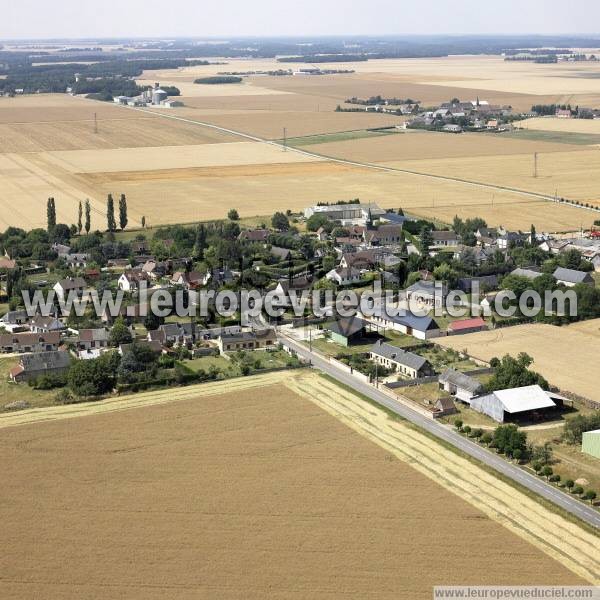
(514, 403)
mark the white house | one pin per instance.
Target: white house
(344, 276)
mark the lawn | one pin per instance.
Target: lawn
(13, 392)
(206, 362)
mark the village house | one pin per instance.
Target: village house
(61, 249)
(90, 339)
(407, 364)
(342, 276)
(130, 281)
(254, 235)
(41, 324)
(280, 253)
(364, 259)
(511, 238)
(188, 280)
(530, 273)
(14, 319)
(177, 334)
(459, 385)
(571, 277)
(73, 286)
(77, 260)
(384, 235)
(247, 340)
(29, 341)
(347, 330)
(420, 327)
(32, 366)
(429, 293)
(443, 239)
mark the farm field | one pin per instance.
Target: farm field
(590, 126)
(578, 366)
(195, 172)
(188, 509)
(420, 145)
(574, 175)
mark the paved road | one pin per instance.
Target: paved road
(531, 482)
(364, 165)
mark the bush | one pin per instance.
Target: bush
(458, 424)
(547, 471)
(569, 483)
(466, 429)
(487, 438)
(476, 433)
(554, 478)
(537, 466)
(590, 495)
(577, 490)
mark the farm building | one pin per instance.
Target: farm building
(422, 328)
(347, 214)
(406, 363)
(346, 331)
(467, 326)
(459, 385)
(590, 443)
(341, 276)
(527, 273)
(503, 405)
(571, 277)
(44, 363)
(443, 407)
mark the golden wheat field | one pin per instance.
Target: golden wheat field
(173, 168)
(591, 126)
(574, 175)
(219, 491)
(578, 372)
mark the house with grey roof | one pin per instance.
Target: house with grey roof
(32, 366)
(430, 293)
(92, 338)
(420, 327)
(459, 385)
(407, 364)
(529, 273)
(71, 285)
(41, 324)
(247, 340)
(571, 277)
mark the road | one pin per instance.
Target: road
(353, 163)
(496, 462)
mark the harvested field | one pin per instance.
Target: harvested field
(131, 131)
(174, 157)
(49, 108)
(415, 145)
(269, 125)
(225, 512)
(591, 126)
(578, 366)
(574, 175)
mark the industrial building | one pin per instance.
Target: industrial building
(590, 443)
(155, 96)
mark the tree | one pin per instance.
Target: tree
(517, 454)
(88, 213)
(425, 240)
(79, 218)
(111, 224)
(532, 234)
(143, 222)
(94, 376)
(487, 438)
(569, 483)
(123, 212)
(200, 242)
(577, 490)
(512, 372)
(458, 424)
(120, 334)
(280, 222)
(508, 438)
(233, 215)
(547, 471)
(590, 495)
(51, 215)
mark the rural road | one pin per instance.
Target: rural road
(353, 163)
(496, 462)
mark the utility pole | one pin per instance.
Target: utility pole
(284, 139)
(95, 123)
(535, 165)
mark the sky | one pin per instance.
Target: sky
(21, 19)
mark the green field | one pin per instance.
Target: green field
(558, 137)
(342, 136)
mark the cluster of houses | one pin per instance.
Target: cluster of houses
(456, 116)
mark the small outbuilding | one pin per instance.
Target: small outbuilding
(467, 326)
(460, 385)
(347, 331)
